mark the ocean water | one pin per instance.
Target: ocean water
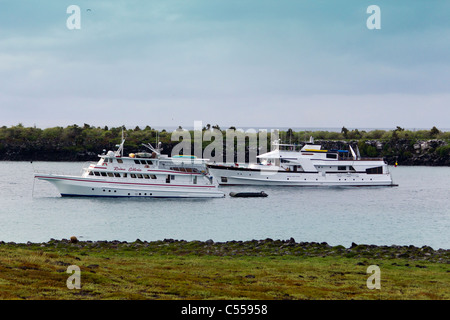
(417, 212)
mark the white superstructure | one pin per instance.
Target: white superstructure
(308, 166)
(139, 175)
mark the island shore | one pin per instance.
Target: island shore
(75, 143)
(184, 270)
(265, 247)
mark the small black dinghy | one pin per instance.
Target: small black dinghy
(248, 194)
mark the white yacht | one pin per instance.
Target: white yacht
(310, 165)
(148, 174)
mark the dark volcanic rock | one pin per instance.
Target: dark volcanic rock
(267, 247)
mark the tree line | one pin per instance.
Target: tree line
(76, 142)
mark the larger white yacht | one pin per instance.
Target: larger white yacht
(310, 165)
(139, 175)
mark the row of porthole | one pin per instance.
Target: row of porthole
(318, 179)
(145, 193)
(105, 190)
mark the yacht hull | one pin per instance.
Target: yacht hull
(91, 187)
(228, 175)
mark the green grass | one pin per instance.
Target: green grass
(186, 271)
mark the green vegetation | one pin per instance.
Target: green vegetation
(85, 142)
(443, 151)
(30, 143)
(379, 135)
(266, 269)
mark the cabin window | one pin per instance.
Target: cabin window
(223, 179)
(331, 155)
(146, 176)
(139, 176)
(110, 174)
(132, 175)
(168, 178)
(117, 175)
(376, 170)
(149, 162)
(137, 162)
(172, 177)
(125, 175)
(103, 174)
(342, 168)
(96, 173)
(91, 173)
(119, 160)
(143, 162)
(152, 176)
(195, 180)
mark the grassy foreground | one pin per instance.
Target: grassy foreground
(264, 270)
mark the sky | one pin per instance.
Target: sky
(247, 63)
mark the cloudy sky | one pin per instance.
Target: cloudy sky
(246, 63)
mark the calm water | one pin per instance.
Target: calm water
(417, 212)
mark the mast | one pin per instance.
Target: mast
(119, 151)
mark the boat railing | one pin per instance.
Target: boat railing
(369, 158)
(48, 172)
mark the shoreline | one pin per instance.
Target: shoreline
(206, 270)
(74, 143)
(258, 248)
